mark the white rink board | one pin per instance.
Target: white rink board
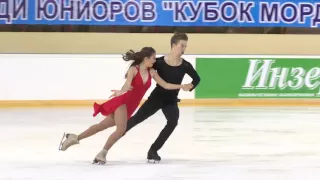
(65, 76)
(77, 76)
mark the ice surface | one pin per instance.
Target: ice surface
(208, 144)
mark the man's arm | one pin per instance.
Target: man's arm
(193, 74)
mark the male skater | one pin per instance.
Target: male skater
(171, 68)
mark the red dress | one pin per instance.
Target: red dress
(131, 98)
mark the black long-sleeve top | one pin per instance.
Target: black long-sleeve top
(174, 75)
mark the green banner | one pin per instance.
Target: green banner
(258, 78)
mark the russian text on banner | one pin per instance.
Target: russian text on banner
(258, 78)
(246, 13)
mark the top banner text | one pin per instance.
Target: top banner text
(246, 13)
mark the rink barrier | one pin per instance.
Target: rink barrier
(183, 103)
(62, 80)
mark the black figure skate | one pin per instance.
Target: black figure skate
(153, 156)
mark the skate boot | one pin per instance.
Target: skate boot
(71, 139)
(153, 156)
(100, 159)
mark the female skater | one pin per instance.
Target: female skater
(120, 108)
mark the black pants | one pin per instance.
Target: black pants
(151, 106)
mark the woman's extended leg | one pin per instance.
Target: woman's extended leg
(73, 139)
(92, 130)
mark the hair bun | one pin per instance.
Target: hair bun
(129, 55)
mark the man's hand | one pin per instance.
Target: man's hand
(187, 87)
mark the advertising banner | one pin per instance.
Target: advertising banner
(258, 77)
(246, 13)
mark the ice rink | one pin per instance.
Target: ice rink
(210, 143)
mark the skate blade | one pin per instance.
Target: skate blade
(98, 162)
(61, 142)
(152, 161)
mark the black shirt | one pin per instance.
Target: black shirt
(173, 75)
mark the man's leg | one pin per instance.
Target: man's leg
(151, 106)
(171, 112)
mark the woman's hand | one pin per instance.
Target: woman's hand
(118, 92)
